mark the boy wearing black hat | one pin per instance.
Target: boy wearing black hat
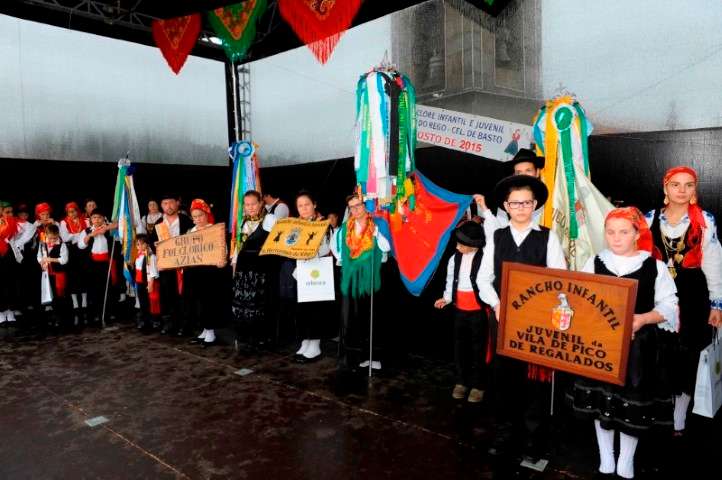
(525, 162)
(470, 316)
(523, 390)
(171, 224)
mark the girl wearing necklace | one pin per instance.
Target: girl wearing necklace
(685, 239)
(250, 271)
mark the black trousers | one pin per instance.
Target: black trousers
(471, 335)
(8, 280)
(171, 303)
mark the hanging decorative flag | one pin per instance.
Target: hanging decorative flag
(577, 209)
(176, 37)
(245, 177)
(235, 25)
(418, 243)
(127, 215)
(319, 23)
(386, 135)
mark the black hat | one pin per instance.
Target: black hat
(470, 234)
(171, 195)
(526, 155)
(501, 190)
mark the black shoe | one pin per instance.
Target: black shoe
(195, 341)
(208, 344)
(305, 360)
(180, 333)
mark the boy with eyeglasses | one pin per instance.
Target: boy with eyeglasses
(522, 390)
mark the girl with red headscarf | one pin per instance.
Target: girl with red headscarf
(685, 239)
(201, 284)
(644, 403)
(72, 227)
(8, 261)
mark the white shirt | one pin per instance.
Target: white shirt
(65, 234)
(151, 265)
(44, 250)
(281, 210)
(711, 250)
(381, 241)
(665, 291)
(464, 276)
(100, 244)
(555, 259)
(174, 227)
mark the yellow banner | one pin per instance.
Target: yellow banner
(295, 238)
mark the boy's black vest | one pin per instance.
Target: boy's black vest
(108, 237)
(475, 265)
(532, 251)
(54, 253)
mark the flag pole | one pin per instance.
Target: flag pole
(107, 283)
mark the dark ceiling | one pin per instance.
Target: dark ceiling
(130, 19)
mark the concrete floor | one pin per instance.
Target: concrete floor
(176, 410)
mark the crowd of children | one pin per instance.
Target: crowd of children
(62, 272)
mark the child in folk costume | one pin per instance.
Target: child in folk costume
(26, 244)
(201, 284)
(53, 258)
(72, 227)
(645, 401)
(10, 257)
(685, 238)
(471, 328)
(97, 242)
(523, 390)
(146, 283)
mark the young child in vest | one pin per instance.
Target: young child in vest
(523, 391)
(72, 228)
(147, 285)
(53, 257)
(470, 316)
(98, 242)
(644, 403)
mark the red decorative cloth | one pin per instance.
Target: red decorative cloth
(176, 38)
(42, 208)
(319, 23)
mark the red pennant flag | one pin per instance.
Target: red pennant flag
(176, 37)
(319, 23)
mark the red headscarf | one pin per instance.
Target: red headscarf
(693, 258)
(199, 204)
(74, 225)
(633, 214)
(42, 208)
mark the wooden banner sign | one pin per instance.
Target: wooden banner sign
(295, 238)
(204, 247)
(571, 321)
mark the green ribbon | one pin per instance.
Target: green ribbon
(583, 133)
(563, 119)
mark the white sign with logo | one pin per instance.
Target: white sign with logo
(314, 279)
(483, 136)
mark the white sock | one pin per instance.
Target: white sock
(122, 297)
(376, 365)
(681, 403)
(137, 302)
(203, 334)
(304, 347)
(2, 317)
(605, 440)
(9, 315)
(74, 296)
(364, 364)
(627, 447)
(210, 336)
(84, 300)
(314, 349)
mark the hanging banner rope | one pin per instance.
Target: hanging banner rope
(245, 177)
(319, 23)
(235, 25)
(176, 37)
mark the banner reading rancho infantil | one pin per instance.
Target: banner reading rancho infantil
(571, 321)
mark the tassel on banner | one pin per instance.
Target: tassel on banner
(319, 23)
